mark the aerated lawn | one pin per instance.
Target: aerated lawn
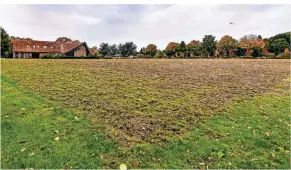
(163, 113)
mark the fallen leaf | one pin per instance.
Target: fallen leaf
(31, 154)
(273, 155)
(188, 150)
(101, 156)
(254, 132)
(76, 118)
(220, 154)
(6, 116)
(229, 163)
(123, 167)
(22, 150)
(268, 134)
(57, 138)
(23, 108)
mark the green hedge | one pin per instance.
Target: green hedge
(270, 55)
(283, 56)
(68, 57)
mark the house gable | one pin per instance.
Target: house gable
(78, 50)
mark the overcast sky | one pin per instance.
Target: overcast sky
(143, 24)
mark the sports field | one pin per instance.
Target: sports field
(146, 113)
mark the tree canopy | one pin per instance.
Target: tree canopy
(150, 50)
(5, 43)
(194, 48)
(279, 45)
(209, 44)
(171, 49)
(104, 49)
(127, 49)
(113, 50)
(64, 39)
(227, 44)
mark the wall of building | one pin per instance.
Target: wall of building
(21, 55)
(30, 55)
(80, 52)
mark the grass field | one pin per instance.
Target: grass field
(151, 113)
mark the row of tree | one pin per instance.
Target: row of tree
(227, 46)
(124, 50)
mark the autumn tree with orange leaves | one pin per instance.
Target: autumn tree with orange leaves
(253, 45)
(194, 48)
(171, 49)
(150, 50)
(227, 44)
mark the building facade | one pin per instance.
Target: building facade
(37, 49)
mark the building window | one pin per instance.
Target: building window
(44, 46)
(34, 46)
(27, 46)
(38, 46)
(51, 47)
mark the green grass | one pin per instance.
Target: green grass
(235, 138)
(32, 122)
(146, 101)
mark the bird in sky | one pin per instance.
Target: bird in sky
(230, 23)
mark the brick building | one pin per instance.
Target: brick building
(36, 49)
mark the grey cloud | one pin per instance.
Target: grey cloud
(143, 24)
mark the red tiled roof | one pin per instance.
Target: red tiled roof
(43, 46)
